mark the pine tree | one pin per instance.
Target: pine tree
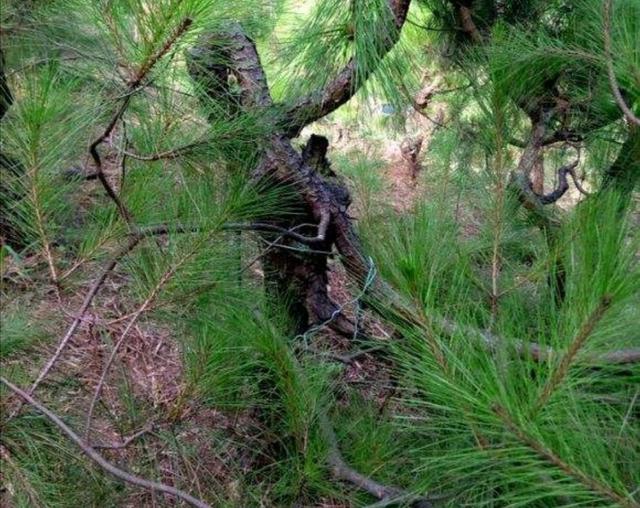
(178, 143)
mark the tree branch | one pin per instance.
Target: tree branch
(343, 472)
(468, 25)
(88, 299)
(608, 53)
(339, 90)
(563, 184)
(230, 51)
(98, 459)
(132, 86)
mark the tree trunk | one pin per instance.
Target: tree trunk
(295, 269)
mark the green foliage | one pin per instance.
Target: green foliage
(41, 469)
(483, 426)
(40, 137)
(489, 416)
(18, 331)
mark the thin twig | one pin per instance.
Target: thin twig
(118, 473)
(133, 86)
(346, 359)
(613, 81)
(93, 290)
(169, 154)
(164, 229)
(96, 396)
(125, 442)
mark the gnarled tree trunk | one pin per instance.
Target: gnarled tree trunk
(295, 267)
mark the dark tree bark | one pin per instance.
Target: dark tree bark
(295, 272)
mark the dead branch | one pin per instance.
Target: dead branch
(608, 53)
(346, 359)
(118, 473)
(134, 240)
(169, 154)
(125, 442)
(343, 472)
(88, 299)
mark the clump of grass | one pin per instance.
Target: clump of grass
(18, 332)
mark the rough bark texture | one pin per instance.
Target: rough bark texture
(294, 274)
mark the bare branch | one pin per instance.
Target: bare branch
(339, 90)
(98, 459)
(169, 154)
(93, 290)
(608, 53)
(343, 472)
(127, 441)
(116, 348)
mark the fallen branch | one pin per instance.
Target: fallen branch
(346, 359)
(118, 473)
(343, 472)
(96, 396)
(125, 442)
(88, 299)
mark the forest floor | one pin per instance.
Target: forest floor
(145, 394)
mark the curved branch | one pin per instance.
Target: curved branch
(339, 90)
(615, 87)
(563, 184)
(99, 459)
